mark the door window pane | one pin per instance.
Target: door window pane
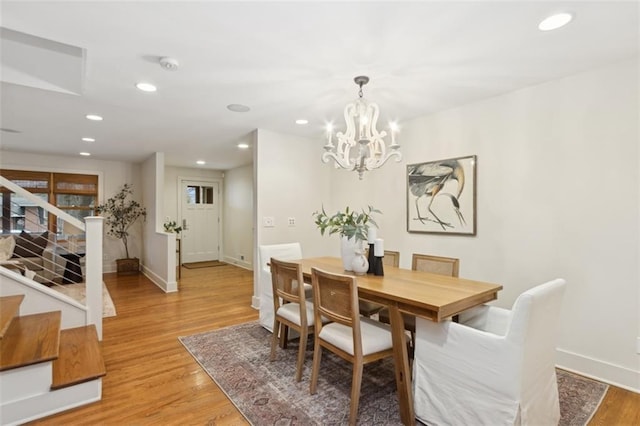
(207, 194)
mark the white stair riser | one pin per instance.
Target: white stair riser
(46, 404)
(23, 382)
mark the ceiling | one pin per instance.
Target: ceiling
(285, 60)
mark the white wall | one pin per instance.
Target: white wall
(238, 216)
(112, 176)
(290, 181)
(159, 258)
(557, 196)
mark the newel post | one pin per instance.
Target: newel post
(93, 267)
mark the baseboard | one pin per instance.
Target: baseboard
(255, 302)
(241, 263)
(166, 286)
(612, 374)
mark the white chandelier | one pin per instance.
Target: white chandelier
(367, 149)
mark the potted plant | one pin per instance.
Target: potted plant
(120, 214)
(171, 226)
(352, 226)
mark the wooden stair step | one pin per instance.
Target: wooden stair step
(9, 307)
(80, 358)
(30, 339)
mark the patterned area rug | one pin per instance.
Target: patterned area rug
(78, 292)
(205, 264)
(266, 393)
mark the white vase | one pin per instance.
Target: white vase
(348, 249)
(360, 264)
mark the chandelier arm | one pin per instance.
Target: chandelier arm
(396, 154)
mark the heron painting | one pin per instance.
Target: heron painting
(441, 196)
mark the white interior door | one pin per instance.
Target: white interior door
(200, 220)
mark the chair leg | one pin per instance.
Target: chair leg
(301, 351)
(356, 383)
(317, 354)
(284, 336)
(274, 338)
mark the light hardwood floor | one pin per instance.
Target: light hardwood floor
(152, 380)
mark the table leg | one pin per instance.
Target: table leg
(402, 370)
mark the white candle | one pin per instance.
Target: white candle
(378, 248)
(371, 235)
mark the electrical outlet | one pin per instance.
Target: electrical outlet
(268, 222)
(242, 257)
(292, 221)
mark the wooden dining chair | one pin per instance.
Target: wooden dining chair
(448, 266)
(356, 339)
(391, 258)
(291, 309)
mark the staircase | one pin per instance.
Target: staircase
(45, 369)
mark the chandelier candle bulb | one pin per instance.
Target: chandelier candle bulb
(379, 247)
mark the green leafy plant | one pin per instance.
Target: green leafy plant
(172, 226)
(348, 223)
(120, 213)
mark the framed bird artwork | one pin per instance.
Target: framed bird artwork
(441, 196)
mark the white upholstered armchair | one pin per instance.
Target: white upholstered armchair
(494, 367)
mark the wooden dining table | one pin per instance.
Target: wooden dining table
(432, 296)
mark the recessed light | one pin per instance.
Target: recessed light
(238, 108)
(201, 162)
(243, 145)
(146, 87)
(556, 21)
(302, 121)
(85, 154)
(93, 117)
(88, 139)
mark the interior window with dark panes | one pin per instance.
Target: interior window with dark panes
(20, 213)
(75, 194)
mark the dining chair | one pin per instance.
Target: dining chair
(290, 307)
(287, 251)
(391, 258)
(358, 340)
(496, 366)
(448, 266)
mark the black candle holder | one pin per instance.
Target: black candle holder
(372, 258)
(378, 269)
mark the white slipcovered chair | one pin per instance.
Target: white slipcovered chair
(495, 367)
(289, 251)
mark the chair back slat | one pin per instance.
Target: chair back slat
(448, 266)
(335, 296)
(287, 282)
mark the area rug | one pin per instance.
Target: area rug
(266, 393)
(205, 264)
(78, 292)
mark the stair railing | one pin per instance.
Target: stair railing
(92, 228)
